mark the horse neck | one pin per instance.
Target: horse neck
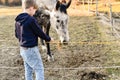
(50, 4)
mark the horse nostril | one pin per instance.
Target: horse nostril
(65, 42)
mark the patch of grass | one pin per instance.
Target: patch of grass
(74, 55)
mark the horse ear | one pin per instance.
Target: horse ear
(57, 5)
(36, 13)
(68, 4)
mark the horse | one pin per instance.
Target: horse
(52, 13)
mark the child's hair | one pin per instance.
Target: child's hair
(30, 3)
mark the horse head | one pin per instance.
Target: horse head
(59, 21)
(43, 16)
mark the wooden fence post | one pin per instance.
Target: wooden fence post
(88, 6)
(96, 7)
(83, 2)
(111, 20)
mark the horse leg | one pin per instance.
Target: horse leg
(43, 43)
(50, 56)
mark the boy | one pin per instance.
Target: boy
(27, 31)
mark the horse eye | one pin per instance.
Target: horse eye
(58, 21)
(42, 15)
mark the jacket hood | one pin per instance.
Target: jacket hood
(22, 17)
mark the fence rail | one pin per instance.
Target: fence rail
(109, 19)
(89, 67)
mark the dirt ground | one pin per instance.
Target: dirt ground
(92, 53)
(81, 59)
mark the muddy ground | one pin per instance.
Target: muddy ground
(91, 46)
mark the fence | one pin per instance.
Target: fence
(10, 2)
(108, 18)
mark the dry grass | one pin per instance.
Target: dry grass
(4, 11)
(81, 28)
(72, 56)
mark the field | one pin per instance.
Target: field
(89, 49)
(92, 53)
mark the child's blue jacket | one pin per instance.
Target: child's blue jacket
(27, 30)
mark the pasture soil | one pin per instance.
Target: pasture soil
(91, 54)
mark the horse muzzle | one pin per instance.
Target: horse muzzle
(64, 42)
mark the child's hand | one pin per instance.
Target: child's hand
(51, 40)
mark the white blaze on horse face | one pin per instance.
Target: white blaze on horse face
(59, 21)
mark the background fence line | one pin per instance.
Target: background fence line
(89, 67)
(84, 42)
(109, 18)
(79, 42)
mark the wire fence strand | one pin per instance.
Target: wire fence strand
(89, 67)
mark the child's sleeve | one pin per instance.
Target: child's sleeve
(38, 31)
